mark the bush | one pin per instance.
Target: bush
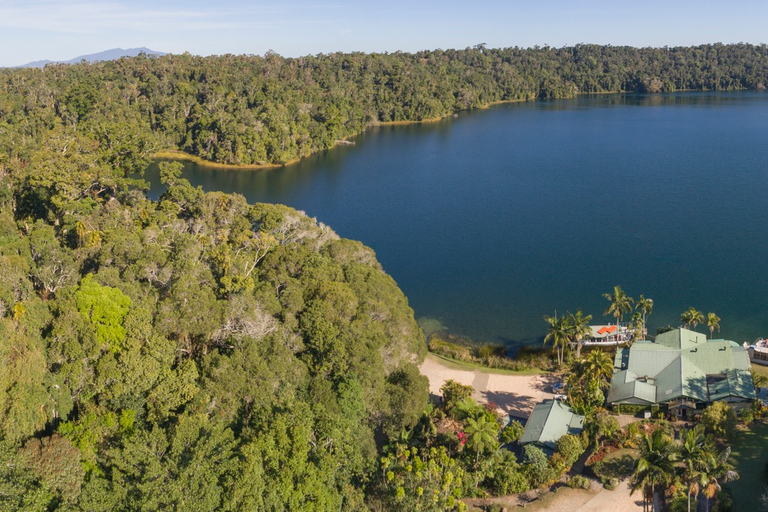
(512, 432)
(579, 482)
(719, 419)
(611, 484)
(569, 447)
(747, 416)
(454, 393)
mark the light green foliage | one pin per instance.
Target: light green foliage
(482, 434)
(656, 466)
(183, 468)
(570, 449)
(506, 475)
(25, 404)
(105, 307)
(420, 480)
(719, 419)
(512, 432)
(454, 393)
(536, 467)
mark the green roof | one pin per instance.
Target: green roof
(549, 421)
(681, 363)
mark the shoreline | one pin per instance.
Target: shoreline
(175, 154)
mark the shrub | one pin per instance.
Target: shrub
(579, 482)
(569, 446)
(536, 466)
(454, 393)
(747, 416)
(611, 484)
(512, 432)
(719, 419)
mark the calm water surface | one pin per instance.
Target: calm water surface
(493, 219)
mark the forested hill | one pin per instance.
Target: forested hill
(271, 110)
(195, 353)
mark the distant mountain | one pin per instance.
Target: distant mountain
(114, 53)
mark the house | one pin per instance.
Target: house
(682, 371)
(549, 421)
(607, 335)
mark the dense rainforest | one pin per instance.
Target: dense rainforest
(271, 110)
(201, 353)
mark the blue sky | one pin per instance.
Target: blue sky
(63, 29)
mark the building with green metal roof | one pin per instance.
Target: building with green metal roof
(549, 421)
(682, 370)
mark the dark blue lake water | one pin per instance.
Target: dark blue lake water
(493, 219)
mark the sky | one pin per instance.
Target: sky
(63, 29)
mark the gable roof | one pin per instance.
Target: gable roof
(681, 363)
(549, 421)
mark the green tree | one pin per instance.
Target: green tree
(644, 306)
(656, 466)
(620, 304)
(691, 318)
(579, 329)
(105, 307)
(695, 455)
(719, 419)
(713, 322)
(454, 393)
(558, 334)
(482, 435)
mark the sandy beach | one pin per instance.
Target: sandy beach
(515, 395)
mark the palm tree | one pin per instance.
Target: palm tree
(695, 456)
(656, 465)
(598, 365)
(621, 304)
(713, 322)
(580, 328)
(691, 318)
(719, 471)
(644, 306)
(482, 434)
(559, 334)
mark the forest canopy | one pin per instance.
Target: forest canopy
(271, 110)
(202, 353)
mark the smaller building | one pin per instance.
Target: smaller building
(758, 352)
(608, 335)
(549, 421)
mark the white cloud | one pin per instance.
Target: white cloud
(92, 17)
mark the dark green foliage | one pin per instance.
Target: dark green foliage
(195, 353)
(258, 110)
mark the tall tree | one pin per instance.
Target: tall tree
(621, 304)
(656, 466)
(713, 322)
(691, 318)
(558, 334)
(580, 329)
(644, 306)
(695, 456)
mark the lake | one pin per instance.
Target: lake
(495, 218)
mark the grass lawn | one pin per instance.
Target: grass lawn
(749, 455)
(619, 464)
(760, 369)
(461, 365)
